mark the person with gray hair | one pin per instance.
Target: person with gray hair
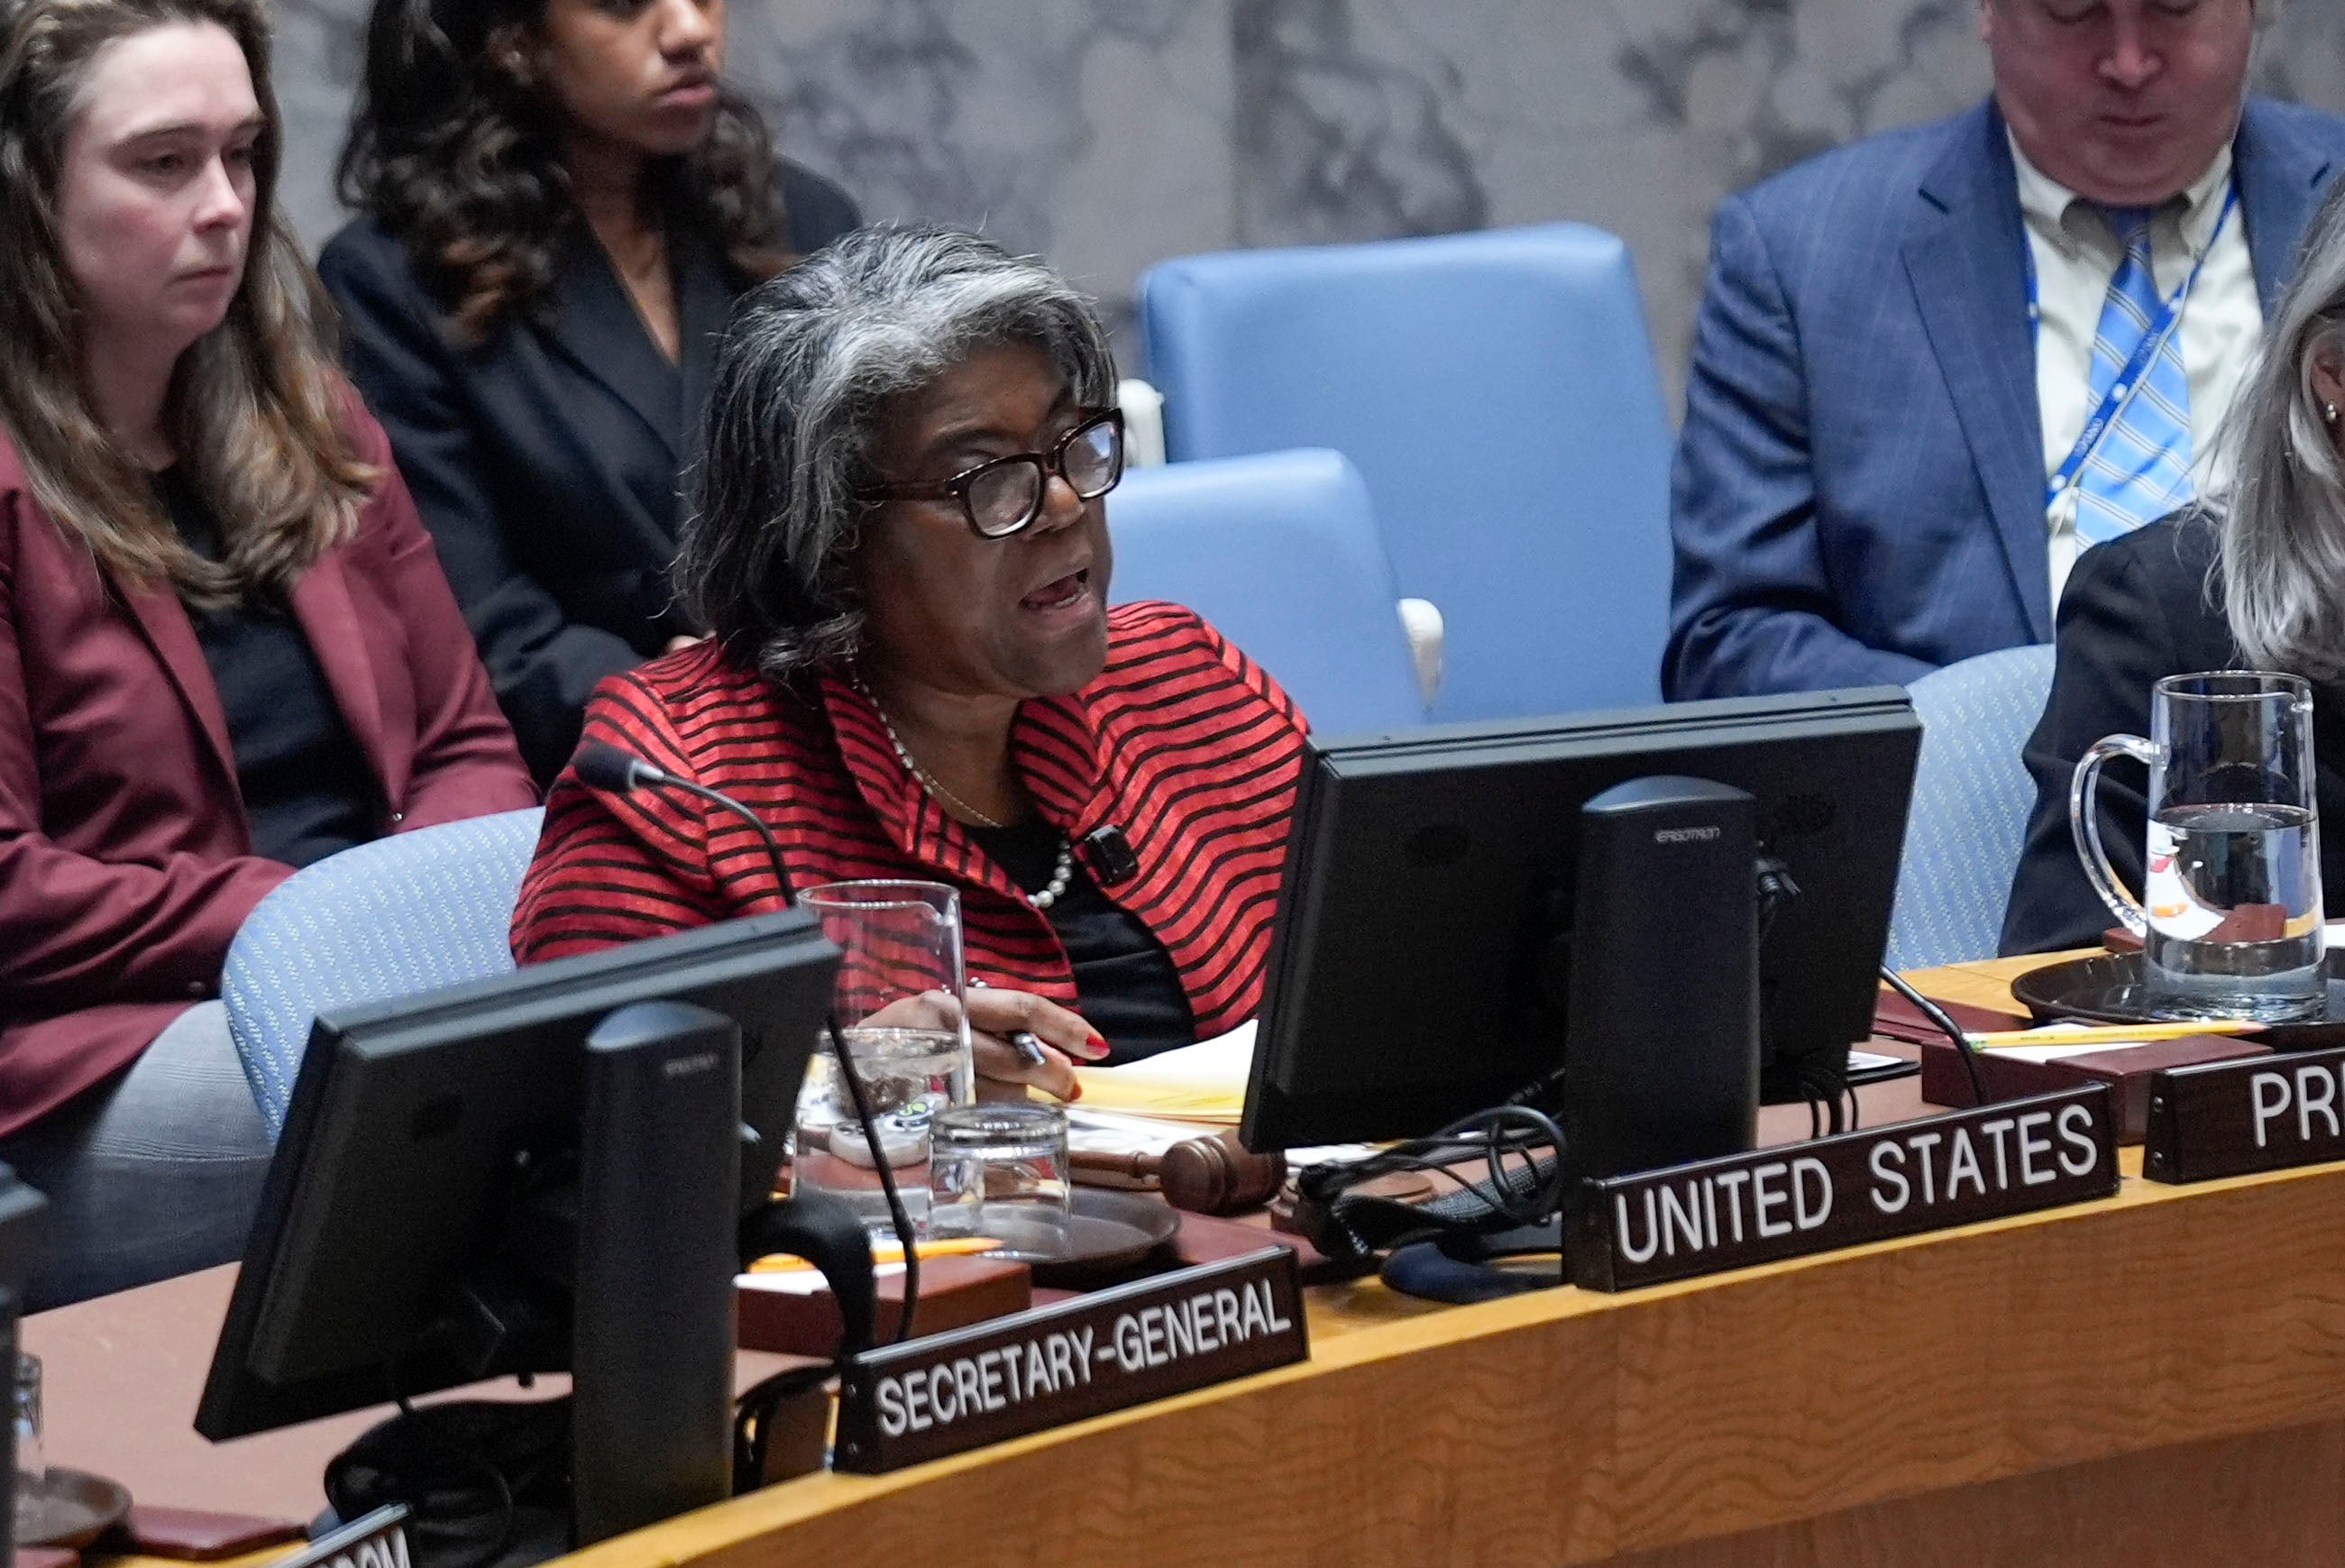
(2255, 579)
(899, 541)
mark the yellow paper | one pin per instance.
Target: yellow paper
(885, 1252)
(1201, 1083)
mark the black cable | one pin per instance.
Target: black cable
(1945, 1026)
(900, 1221)
(1776, 889)
(1492, 1134)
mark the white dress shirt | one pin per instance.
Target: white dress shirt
(2077, 254)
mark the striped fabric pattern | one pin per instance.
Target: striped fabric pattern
(1182, 741)
(2141, 470)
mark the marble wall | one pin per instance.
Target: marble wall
(1108, 134)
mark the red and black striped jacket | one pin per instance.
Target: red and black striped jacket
(1182, 741)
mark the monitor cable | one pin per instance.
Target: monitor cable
(1817, 1078)
(1522, 1188)
(1945, 1026)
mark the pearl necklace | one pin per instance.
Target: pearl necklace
(1061, 874)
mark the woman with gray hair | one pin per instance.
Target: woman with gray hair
(900, 541)
(2255, 580)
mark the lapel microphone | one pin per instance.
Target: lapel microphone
(1109, 855)
(600, 765)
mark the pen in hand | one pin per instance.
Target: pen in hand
(1025, 1041)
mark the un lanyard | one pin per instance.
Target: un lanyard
(2123, 391)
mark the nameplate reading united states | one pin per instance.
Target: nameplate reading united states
(2232, 1118)
(1901, 1179)
(903, 1404)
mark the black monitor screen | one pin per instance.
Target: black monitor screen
(1427, 874)
(412, 1122)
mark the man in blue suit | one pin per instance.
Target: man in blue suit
(1933, 366)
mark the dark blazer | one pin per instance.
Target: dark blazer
(1859, 493)
(2136, 609)
(126, 861)
(545, 459)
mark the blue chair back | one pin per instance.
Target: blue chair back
(1498, 390)
(1282, 554)
(403, 914)
(1972, 797)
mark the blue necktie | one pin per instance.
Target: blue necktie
(2141, 470)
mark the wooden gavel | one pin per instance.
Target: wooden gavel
(1215, 1175)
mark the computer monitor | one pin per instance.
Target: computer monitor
(1425, 873)
(412, 1120)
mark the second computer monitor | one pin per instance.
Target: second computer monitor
(1430, 878)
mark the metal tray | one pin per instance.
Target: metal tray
(2109, 988)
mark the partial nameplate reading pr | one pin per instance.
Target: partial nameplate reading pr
(2011, 1157)
(905, 1403)
(2233, 1118)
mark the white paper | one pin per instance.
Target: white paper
(1123, 1131)
(1225, 1059)
(2055, 1053)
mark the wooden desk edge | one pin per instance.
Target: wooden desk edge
(1706, 1501)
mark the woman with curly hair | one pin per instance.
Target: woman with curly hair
(561, 200)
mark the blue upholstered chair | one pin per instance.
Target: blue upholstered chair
(1972, 796)
(1498, 390)
(403, 914)
(1282, 554)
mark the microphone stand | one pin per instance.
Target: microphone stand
(601, 766)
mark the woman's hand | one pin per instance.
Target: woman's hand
(994, 1015)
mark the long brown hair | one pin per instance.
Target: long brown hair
(461, 160)
(255, 407)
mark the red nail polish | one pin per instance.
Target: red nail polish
(1098, 1045)
(1075, 1093)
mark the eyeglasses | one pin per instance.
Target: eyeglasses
(1004, 496)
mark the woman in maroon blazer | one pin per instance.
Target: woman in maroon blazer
(227, 648)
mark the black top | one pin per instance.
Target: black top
(544, 460)
(307, 790)
(2136, 609)
(1125, 985)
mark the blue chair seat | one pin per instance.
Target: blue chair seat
(1497, 391)
(1281, 553)
(1972, 797)
(405, 914)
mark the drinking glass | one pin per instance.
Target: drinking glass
(2230, 915)
(899, 1008)
(1001, 1170)
(29, 1491)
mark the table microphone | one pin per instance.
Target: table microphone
(600, 765)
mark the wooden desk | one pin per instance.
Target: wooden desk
(2157, 1379)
